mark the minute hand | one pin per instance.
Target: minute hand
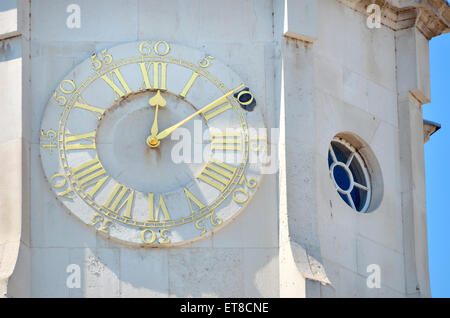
(166, 132)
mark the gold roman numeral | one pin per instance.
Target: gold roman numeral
(226, 141)
(216, 109)
(153, 215)
(192, 199)
(80, 142)
(159, 75)
(120, 197)
(90, 174)
(110, 80)
(217, 174)
(80, 103)
(189, 84)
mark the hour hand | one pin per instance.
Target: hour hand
(156, 101)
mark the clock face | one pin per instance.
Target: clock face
(153, 143)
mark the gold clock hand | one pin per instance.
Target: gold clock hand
(157, 101)
(154, 130)
(166, 132)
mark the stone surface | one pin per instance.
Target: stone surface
(151, 280)
(11, 147)
(318, 73)
(203, 272)
(8, 19)
(300, 20)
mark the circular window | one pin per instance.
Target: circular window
(349, 173)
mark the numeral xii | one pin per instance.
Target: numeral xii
(159, 72)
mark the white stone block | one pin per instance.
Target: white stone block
(48, 272)
(344, 36)
(101, 271)
(101, 20)
(300, 20)
(8, 19)
(337, 117)
(200, 21)
(351, 284)
(19, 283)
(355, 89)
(10, 89)
(413, 69)
(328, 75)
(10, 191)
(423, 65)
(383, 103)
(391, 263)
(144, 272)
(261, 272)
(330, 21)
(206, 272)
(338, 242)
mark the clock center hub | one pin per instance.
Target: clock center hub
(152, 142)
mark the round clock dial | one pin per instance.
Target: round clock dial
(153, 143)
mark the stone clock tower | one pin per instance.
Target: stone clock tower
(257, 148)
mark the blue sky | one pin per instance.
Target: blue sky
(437, 156)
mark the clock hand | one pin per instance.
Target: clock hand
(154, 130)
(166, 132)
(157, 101)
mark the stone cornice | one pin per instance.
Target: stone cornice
(431, 17)
(429, 128)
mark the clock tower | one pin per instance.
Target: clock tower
(257, 148)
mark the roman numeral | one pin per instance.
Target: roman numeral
(80, 142)
(217, 174)
(189, 84)
(153, 215)
(80, 103)
(216, 109)
(118, 91)
(192, 199)
(159, 75)
(226, 141)
(90, 174)
(121, 197)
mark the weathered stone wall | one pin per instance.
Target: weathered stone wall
(355, 91)
(13, 138)
(241, 259)
(367, 85)
(316, 70)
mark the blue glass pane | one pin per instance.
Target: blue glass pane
(359, 198)
(357, 172)
(340, 151)
(342, 178)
